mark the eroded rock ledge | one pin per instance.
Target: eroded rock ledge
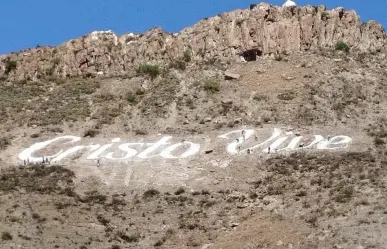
(260, 30)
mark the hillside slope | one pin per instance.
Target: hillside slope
(258, 128)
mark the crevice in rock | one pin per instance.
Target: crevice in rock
(252, 33)
(341, 14)
(83, 62)
(293, 10)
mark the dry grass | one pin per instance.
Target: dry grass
(45, 103)
(328, 179)
(6, 236)
(37, 178)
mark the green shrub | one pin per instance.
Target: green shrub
(140, 132)
(344, 194)
(324, 14)
(131, 98)
(139, 91)
(211, 86)
(260, 97)
(50, 71)
(6, 236)
(129, 38)
(190, 103)
(55, 61)
(4, 142)
(342, 46)
(129, 238)
(378, 141)
(178, 64)
(94, 197)
(288, 95)
(91, 133)
(179, 191)
(9, 66)
(35, 135)
(187, 56)
(150, 193)
(152, 70)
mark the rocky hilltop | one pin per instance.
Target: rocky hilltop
(261, 30)
(166, 113)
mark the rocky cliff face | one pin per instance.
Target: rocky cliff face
(260, 30)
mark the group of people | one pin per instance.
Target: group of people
(244, 139)
(45, 160)
(249, 151)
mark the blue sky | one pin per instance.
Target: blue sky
(27, 23)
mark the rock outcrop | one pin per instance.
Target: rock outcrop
(262, 29)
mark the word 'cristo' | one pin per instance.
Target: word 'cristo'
(238, 142)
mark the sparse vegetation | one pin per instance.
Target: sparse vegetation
(181, 63)
(195, 214)
(159, 242)
(167, 235)
(35, 135)
(55, 62)
(37, 178)
(344, 194)
(178, 64)
(150, 193)
(140, 132)
(129, 238)
(211, 86)
(187, 56)
(328, 193)
(379, 141)
(91, 133)
(6, 236)
(151, 70)
(37, 217)
(25, 102)
(129, 38)
(103, 220)
(180, 191)
(131, 98)
(288, 95)
(9, 66)
(324, 14)
(342, 46)
(190, 103)
(260, 97)
(163, 95)
(94, 197)
(4, 142)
